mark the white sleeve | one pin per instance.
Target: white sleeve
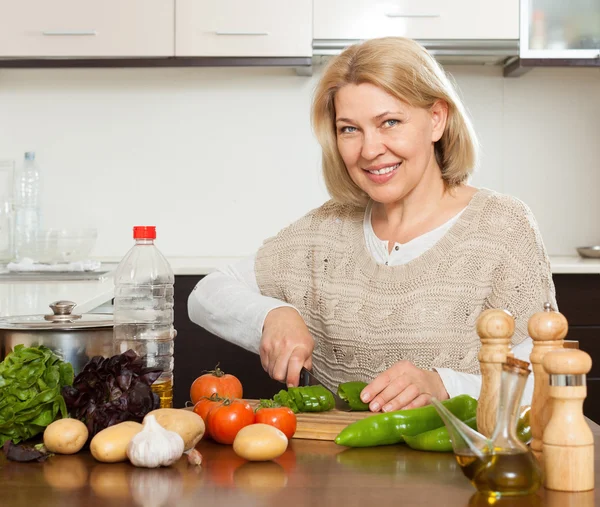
(457, 383)
(228, 303)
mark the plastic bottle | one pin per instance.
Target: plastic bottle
(143, 309)
(28, 215)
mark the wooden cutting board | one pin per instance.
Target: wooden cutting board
(322, 425)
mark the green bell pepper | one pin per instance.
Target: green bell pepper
(435, 440)
(389, 427)
(438, 440)
(350, 392)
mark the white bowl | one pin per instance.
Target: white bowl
(590, 252)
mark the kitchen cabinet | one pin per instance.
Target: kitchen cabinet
(423, 20)
(197, 350)
(229, 28)
(551, 29)
(87, 28)
(557, 34)
(578, 298)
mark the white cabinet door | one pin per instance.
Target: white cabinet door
(87, 28)
(416, 19)
(260, 28)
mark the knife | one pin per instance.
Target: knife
(307, 378)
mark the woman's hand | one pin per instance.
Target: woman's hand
(286, 345)
(403, 386)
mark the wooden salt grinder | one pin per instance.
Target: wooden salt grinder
(547, 330)
(495, 329)
(568, 443)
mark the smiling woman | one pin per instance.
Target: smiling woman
(405, 89)
(384, 283)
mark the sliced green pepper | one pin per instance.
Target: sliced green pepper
(350, 392)
(305, 399)
(285, 400)
(389, 427)
(438, 440)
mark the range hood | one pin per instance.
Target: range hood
(447, 52)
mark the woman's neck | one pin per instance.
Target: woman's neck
(429, 205)
(417, 206)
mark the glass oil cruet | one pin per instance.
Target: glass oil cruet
(501, 465)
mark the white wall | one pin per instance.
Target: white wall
(219, 159)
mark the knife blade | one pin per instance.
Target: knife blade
(308, 378)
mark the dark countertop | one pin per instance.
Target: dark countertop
(310, 473)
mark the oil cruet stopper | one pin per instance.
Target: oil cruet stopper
(547, 330)
(568, 443)
(495, 328)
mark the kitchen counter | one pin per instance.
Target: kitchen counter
(28, 297)
(310, 473)
(205, 265)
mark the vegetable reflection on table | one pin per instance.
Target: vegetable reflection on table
(399, 461)
(66, 472)
(260, 478)
(155, 487)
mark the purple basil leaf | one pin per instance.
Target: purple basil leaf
(149, 375)
(23, 453)
(124, 379)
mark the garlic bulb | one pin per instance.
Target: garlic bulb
(154, 446)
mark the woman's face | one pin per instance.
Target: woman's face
(386, 145)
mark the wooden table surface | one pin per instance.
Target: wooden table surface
(310, 473)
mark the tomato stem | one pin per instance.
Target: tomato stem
(217, 372)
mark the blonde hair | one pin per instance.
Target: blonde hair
(404, 69)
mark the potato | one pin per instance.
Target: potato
(260, 442)
(110, 444)
(186, 423)
(65, 436)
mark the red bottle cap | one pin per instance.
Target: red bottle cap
(144, 232)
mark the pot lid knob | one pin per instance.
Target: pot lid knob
(62, 312)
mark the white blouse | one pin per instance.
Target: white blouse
(228, 303)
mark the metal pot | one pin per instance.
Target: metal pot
(76, 338)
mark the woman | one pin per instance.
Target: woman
(384, 283)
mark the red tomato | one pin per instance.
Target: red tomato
(229, 417)
(281, 417)
(215, 382)
(203, 407)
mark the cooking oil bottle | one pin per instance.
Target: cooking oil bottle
(501, 465)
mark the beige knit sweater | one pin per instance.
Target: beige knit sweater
(365, 317)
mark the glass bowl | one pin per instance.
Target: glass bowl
(56, 246)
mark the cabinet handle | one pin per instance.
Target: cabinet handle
(241, 33)
(416, 15)
(69, 33)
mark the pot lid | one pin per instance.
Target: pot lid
(61, 319)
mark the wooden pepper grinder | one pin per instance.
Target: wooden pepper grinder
(547, 330)
(568, 443)
(495, 329)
